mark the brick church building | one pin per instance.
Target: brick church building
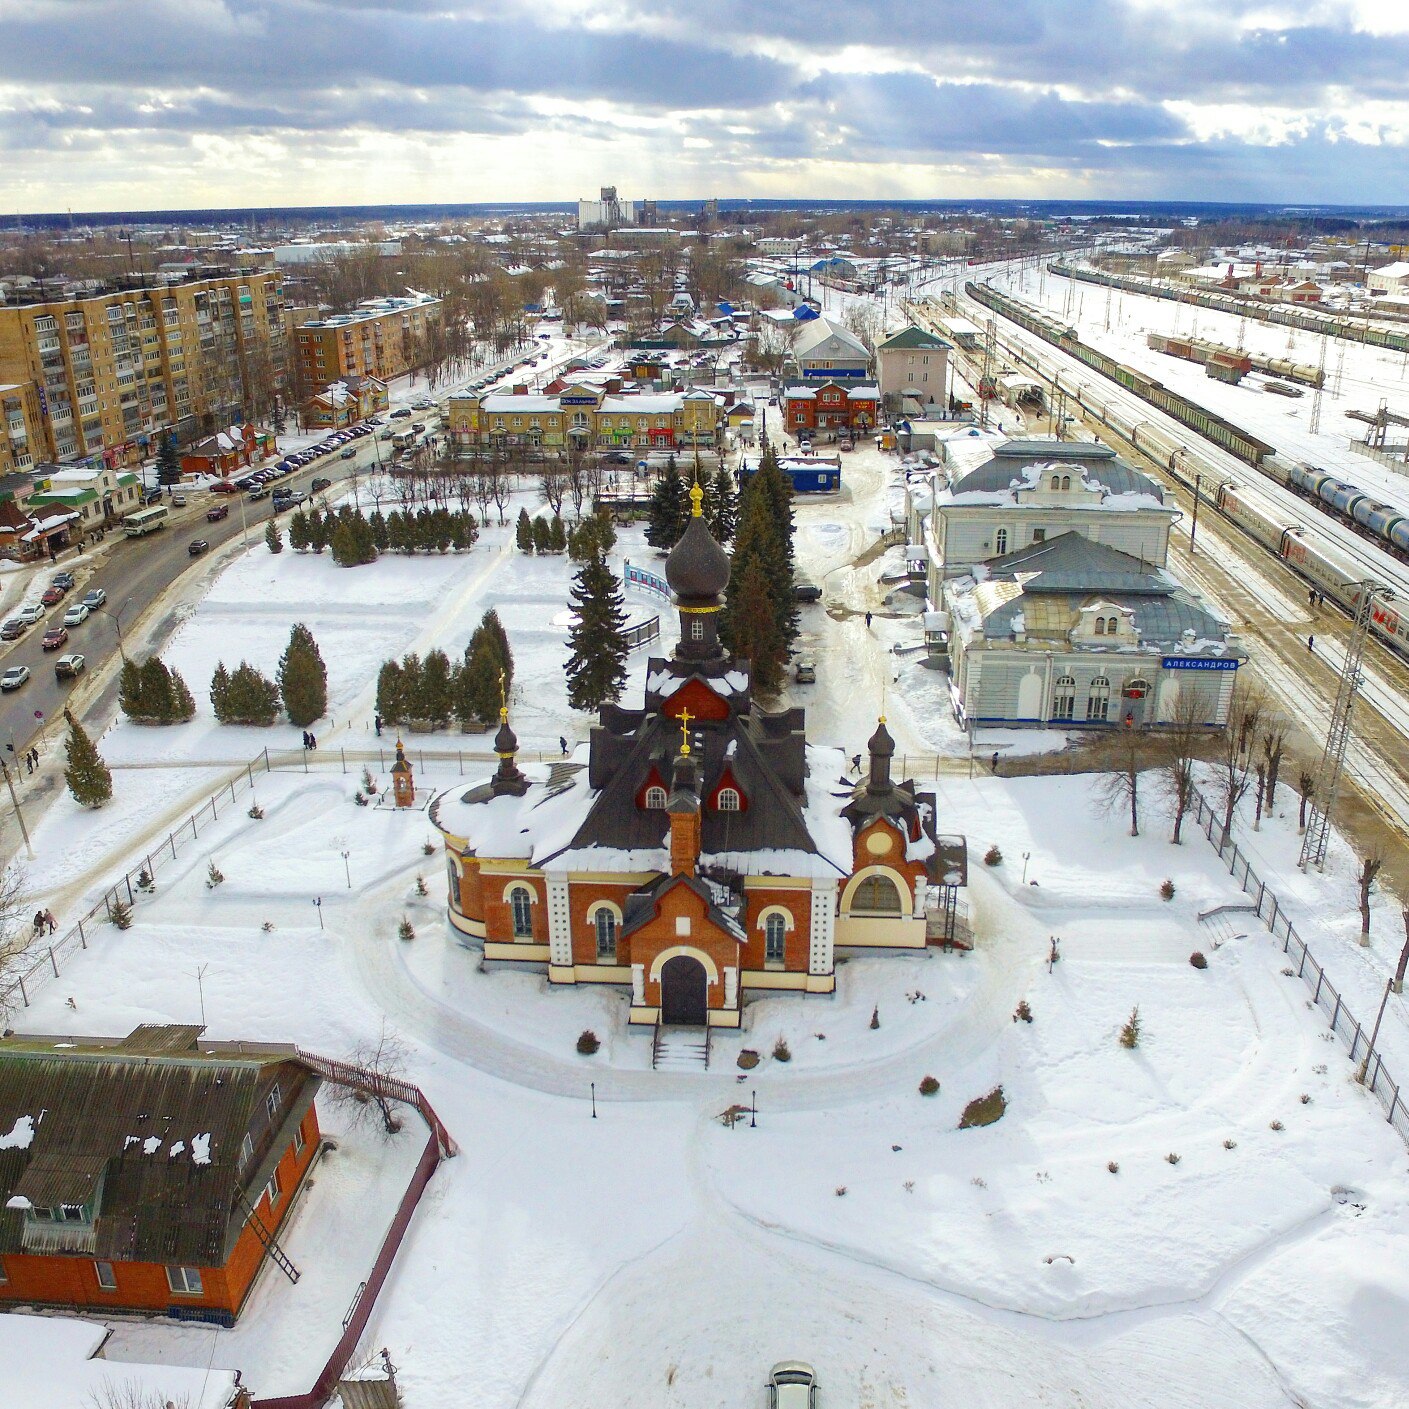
(705, 849)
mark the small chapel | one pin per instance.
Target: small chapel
(703, 849)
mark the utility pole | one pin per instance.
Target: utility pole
(985, 382)
(1320, 382)
(1328, 773)
(1194, 526)
(19, 816)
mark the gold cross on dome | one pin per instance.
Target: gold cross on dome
(503, 700)
(685, 718)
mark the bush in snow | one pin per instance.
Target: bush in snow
(1113, 1167)
(1197, 960)
(984, 1110)
(405, 930)
(1022, 1013)
(369, 784)
(588, 1042)
(256, 812)
(359, 799)
(120, 913)
(1172, 1158)
(781, 1051)
(213, 876)
(1130, 1033)
(875, 1017)
(421, 886)
(1230, 1144)
(929, 1086)
(268, 927)
(993, 857)
(1277, 1125)
(1166, 889)
(1305, 1099)
(428, 848)
(841, 1191)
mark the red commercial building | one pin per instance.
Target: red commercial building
(832, 409)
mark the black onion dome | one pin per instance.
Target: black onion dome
(697, 566)
(881, 742)
(505, 741)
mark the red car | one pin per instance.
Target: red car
(220, 511)
(54, 637)
(52, 596)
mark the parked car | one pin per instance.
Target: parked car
(178, 501)
(258, 492)
(76, 615)
(197, 546)
(218, 512)
(94, 597)
(424, 403)
(805, 591)
(151, 496)
(792, 1385)
(400, 412)
(64, 580)
(418, 426)
(223, 486)
(319, 484)
(805, 673)
(13, 629)
(52, 596)
(349, 454)
(69, 667)
(287, 501)
(616, 457)
(14, 677)
(54, 637)
(32, 613)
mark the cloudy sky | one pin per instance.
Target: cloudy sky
(145, 104)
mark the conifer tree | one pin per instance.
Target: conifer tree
(381, 539)
(437, 702)
(183, 704)
(352, 541)
(320, 529)
(87, 775)
(726, 505)
(596, 668)
(523, 532)
(220, 693)
(754, 631)
(168, 462)
(494, 629)
(391, 693)
(477, 681)
(542, 536)
(670, 509)
(273, 539)
(129, 689)
(303, 678)
(557, 535)
(150, 693)
(298, 531)
(411, 680)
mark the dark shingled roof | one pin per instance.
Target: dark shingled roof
(1098, 463)
(94, 1104)
(1071, 562)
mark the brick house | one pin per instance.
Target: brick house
(705, 849)
(830, 408)
(228, 451)
(148, 1173)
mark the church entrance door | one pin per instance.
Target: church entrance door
(683, 986)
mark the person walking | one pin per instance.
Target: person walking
(38, 923)
(563, 744)
(50, 921)
(377, 721)
(868, 621)
(995, 762)
(1311, 643)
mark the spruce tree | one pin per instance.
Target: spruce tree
(183, 704)
(523, 532)
(298, 531)
(670, 509)
(129, 689)
(303, 678)
(477, 692)
(87, 775)
(349, 549)
(542, 536)
(168, 462)
(320, 530)
(220, 693)
(252, 698)
(494, 629)
(391, 693)
(596, 668)
(726, 505)
(754, 630)
(437, 702)
(381, 539)
(273, 539)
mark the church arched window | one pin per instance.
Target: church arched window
(775, 938)
(1000, 541)
(1112, 623)
(521, 903)
(1100, 626)
(606, 934)
(728, 800)
(655, 798)
(876, 895)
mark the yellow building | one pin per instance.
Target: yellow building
(19, 426)
(584, 418)
(380, 338)
(112, 369)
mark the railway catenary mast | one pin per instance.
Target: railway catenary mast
(1332, 765)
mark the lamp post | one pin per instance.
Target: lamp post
(116, 614)
(19, 816)
(318, 901)
(347, 868)
(1026, 856)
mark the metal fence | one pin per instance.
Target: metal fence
(1272, 913)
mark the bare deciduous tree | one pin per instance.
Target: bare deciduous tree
(129, 1394)
(1232, 767)
(1178, 747)
(383, 1059)
(1120, 788)
(1305, 786)
(1274, 747)
(1371, 863)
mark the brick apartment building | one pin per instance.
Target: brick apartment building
(107, 371)
(379, 338)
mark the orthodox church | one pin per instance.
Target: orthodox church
(704, 849)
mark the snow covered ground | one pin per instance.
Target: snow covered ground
(653, 1256)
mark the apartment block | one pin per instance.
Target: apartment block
(112, 369)
(19, 426)
(379, 338)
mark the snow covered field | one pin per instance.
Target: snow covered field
(653, 1256)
